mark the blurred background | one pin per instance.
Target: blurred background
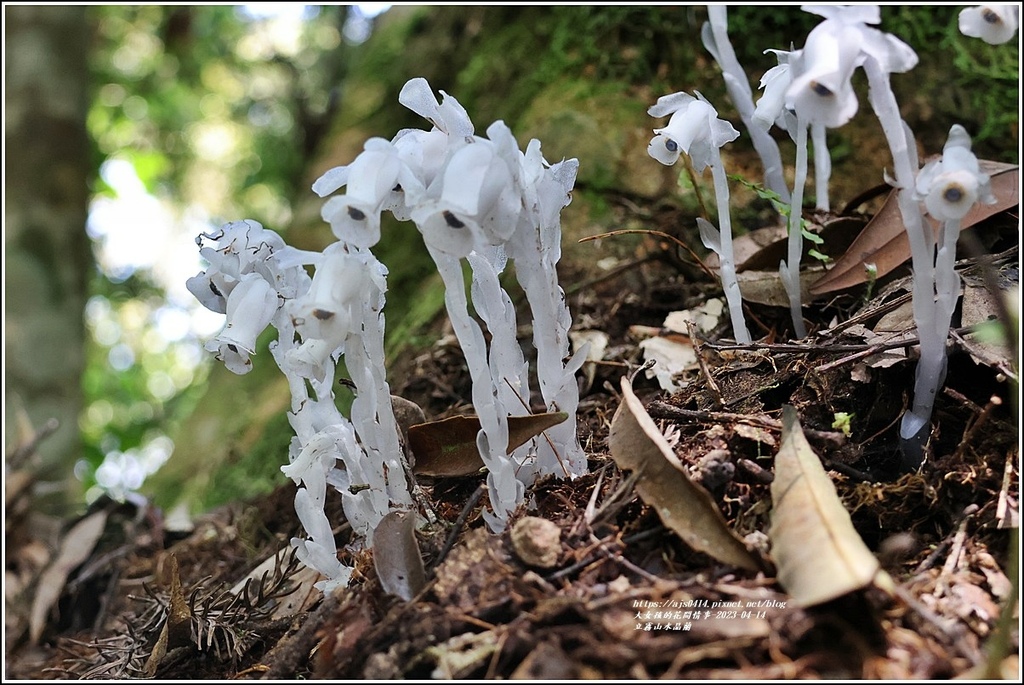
(131, 129)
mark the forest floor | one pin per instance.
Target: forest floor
(620, 594)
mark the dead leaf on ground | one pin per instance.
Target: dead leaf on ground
(448, 447)
(76, 547)
(837, 233)
(817, 550)
(883, 242)
(636, 444)
(396, 555)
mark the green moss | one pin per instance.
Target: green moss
(252, 471)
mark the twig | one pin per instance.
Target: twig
(660, 410)
(23, 452)
(892, 304)
(982, 417)
(459, 523)
(692, 330)
(856, 356)
(610, 274)
(661, 234)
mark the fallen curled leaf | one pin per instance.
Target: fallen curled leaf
(883, 242)
(448, 447)
(76, 547)
(837, 233)
(817, 550)
(396, 555)
(685, 507)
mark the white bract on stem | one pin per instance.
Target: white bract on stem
(949, 187)
(715, 36)
(474, 198)
(694, 128)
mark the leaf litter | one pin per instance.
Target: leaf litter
(628, 595)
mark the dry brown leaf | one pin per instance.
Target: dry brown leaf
(817, 550)
(883, 242)
(396, 555)
(837, 233)
(448, 447)
(179, 616)
(75, 548)
(685, 507)
(765, 287)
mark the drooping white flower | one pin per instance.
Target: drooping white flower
(250, 308)
(994, 24)
(211, 288)
(329, 311)
(951, 185)
(450, 116)
(821, 91)
(370, 180)
(475, 201)
(694, 128)
(771, 107)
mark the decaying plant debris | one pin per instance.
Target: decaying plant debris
(620, 595)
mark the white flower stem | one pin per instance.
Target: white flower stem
(505, 491)
(822, 166)
(726, 260)
(932, 319)
(742, 97)
(789, 269)
(947, 281)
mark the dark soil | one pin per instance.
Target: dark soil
(626, 598)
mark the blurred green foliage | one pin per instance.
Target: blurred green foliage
(218, 114)
(212, 112)
(210, 106)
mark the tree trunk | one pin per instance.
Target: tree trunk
(47, 251)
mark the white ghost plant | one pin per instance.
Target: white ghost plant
(472, 197)
(694, 128)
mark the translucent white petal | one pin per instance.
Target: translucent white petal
(444, 229)
(417, 95)
(994, 24)
(467, 186)
(668, 104)
(454, 118)
(353, 221)
(332, 180)
(250, 307)
(664, 149)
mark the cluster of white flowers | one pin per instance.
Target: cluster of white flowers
(812, 88)
(257, 280)
(471, 197)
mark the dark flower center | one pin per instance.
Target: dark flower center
(356, 214)
(990, 17)
(953, 194)
(452, 220)
(671, 145)
(820, 89)
(323, 314)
